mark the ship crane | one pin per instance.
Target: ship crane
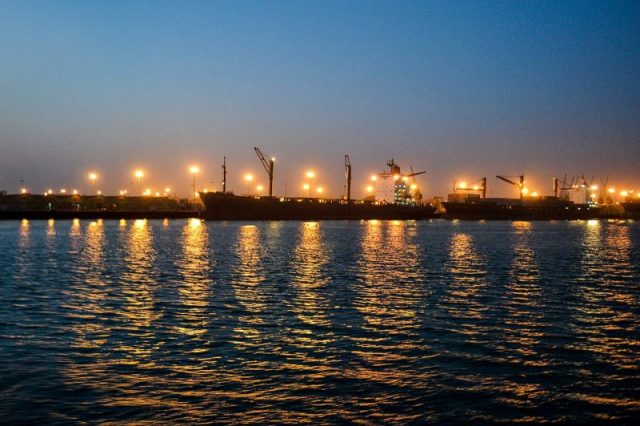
(268, 166)
(562, 186)
(477, 185)
(347, 176)
(578, 183)
(519, 185)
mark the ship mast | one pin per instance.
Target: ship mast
(224, 176)
(347, 176)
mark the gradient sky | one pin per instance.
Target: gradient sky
(460, 89)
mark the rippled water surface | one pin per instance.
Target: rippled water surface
(327, 322)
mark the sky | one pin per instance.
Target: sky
(460, 89)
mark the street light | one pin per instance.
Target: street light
(139, 174)
(259, 188)
(194, 170)
(311, 174)
(248, 178)
(307, 188)
(93, 177)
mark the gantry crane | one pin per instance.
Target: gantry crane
(268, 166)
(519, 185)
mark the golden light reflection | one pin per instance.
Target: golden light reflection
(51, 228)
(87, 291)
(246, 283)
(24, 233)
(524, 322)
(468, 278)
(75, 228)
(605, 301)
(387, 296)
(195, 287)
(137, 283)
(309, 259)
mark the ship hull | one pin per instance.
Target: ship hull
(631, 209)
(487, 209)
(231, 207)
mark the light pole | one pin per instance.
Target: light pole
(249, 178)
(310, 174)
(93, 177)
(139, 174)
(194, 170)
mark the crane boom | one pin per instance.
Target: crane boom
(519, 185)
(268, 166)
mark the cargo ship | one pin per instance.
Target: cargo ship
(631, 209)
(220, 206)
(405, 201)
(463, 205)
(541, 208)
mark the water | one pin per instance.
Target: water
(327, 322)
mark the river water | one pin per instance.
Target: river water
(328, 322)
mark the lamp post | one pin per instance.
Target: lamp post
(194, 170)
(93, 177)
(139, 174)
(249, 178)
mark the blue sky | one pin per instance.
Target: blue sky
(462, 89)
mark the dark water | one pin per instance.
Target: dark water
(326, 322)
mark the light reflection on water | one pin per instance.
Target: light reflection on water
(373, 321)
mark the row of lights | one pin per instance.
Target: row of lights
(139, 174)
(310, 174)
